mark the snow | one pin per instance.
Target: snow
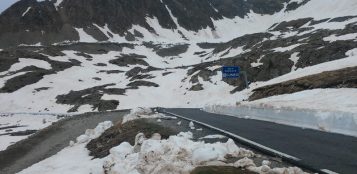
(6, 78)
(333, 38)
(331, 110)
(58, 3)
(352, 52)
(319, 68)
(138, 113)
(284, 49)
(294, 57)
(25, 62)
(171, 86)
(252, 22)
(94, 133)
(26, 121)
(84, 37)
(217, 136)
(26, 11)
(191, 125)
(342, 99)
(258, 63)
(177, 154)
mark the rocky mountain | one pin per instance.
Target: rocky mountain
(52, 21)
(84, 55)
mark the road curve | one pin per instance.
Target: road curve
(51, 140)
(318, 149)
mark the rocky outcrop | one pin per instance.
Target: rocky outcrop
(344, 78)
(32, 22)
(91, 96)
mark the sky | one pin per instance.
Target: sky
(4, 4)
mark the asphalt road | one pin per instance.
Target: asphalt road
(51, 140)
(318, 149)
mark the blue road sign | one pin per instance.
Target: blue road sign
(230, 71)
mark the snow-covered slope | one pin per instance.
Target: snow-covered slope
(164, 59)
(211, 20)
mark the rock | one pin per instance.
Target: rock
(343, 78)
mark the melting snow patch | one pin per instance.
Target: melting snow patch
(288, 48)
(191, 125)
(294, 57)
(94, 133)
(334, 38)
(84, 37)
(352, 52)
(139, 113)
(25, 62)
(58, 3)
(27, 10)
(217, 136)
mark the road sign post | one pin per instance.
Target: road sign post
(233, 72)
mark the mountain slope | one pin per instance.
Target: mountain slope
(74, 56)
(51, 21)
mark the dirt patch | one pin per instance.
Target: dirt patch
(219, 170)
(344, 78)
(119, 133)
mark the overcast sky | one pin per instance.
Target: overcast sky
(4, 4)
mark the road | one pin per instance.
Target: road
(318, 149)
(51, 140)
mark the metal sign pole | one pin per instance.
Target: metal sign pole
(234, 72)
(245, 79)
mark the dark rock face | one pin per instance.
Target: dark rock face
(129, 59)
(48, 24)
(91, 96)
(99, 147)
(312, 49)
(34, 74)
(295, 24)
(344, 78)
(138, 83)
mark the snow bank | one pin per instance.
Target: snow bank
(217, 136)
(177, 154)
(94, 133)
(333, 110)
(74, 158)
(139, 113)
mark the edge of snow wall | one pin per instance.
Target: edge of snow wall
(329, 121)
